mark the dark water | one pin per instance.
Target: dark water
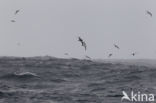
(70, 81)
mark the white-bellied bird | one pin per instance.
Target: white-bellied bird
(82, 42)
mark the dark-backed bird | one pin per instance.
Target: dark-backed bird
(116, 46)
(82, 42)
(110, 55)
(133, 54)
(16, 12)
(149, 13)
(13, 21)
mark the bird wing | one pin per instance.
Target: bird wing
(109, 55)
(82, 42)
(13, 21)
(85, 46)
(80, 39)
(116, 46)
(148, 12)
(16, 11)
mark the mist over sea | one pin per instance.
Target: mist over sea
(56, 80)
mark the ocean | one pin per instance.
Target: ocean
(58, 80)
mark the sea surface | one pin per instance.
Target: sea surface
(54, 80)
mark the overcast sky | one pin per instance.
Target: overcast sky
(51, 27)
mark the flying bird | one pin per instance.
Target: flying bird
(110, 55)
(13, 21)
(149, 13)
(16, 12)
(116, 46)
(133, 54)
(82, 42)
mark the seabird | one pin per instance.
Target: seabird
(133, 54)
(13, 21)
(82, 42)
(110, 55)
(16, 11)
(149, 13)
(116, 46)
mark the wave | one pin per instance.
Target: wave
(20, 76)
(26, 74)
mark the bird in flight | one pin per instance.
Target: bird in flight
(16, 12)
(133, 54)
(116, 46)
(149, 13)
(110, 55)
(13, 21)
(82, 42)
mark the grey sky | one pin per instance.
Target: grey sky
(51, 27)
